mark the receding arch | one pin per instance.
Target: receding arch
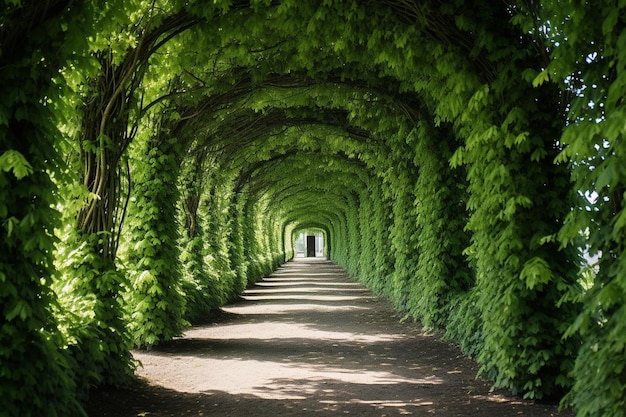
(179, 92)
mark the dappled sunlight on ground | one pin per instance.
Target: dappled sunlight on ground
(301, 297)
(269, 330)
(302, 364)
(273, 380)
(308, 341)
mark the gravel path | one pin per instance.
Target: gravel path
(308, 341)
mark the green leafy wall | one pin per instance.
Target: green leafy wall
(460, 155)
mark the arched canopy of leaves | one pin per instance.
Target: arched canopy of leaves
(459, 156)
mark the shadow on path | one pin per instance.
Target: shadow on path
(308, 341)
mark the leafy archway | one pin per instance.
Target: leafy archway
(459, 154)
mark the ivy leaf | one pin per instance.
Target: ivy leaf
(536, 273)
(20, 309)
(541, 78)
(457, 158)
(14, 161)
(10, 224)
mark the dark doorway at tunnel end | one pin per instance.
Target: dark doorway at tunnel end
(310, 246)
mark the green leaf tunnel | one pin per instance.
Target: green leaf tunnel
(459, 157)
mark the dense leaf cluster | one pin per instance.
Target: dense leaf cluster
(458, 156)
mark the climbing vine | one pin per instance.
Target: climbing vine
(442, 272)
(590, 70)
(32, 52)
(458, 156)
(155, 302)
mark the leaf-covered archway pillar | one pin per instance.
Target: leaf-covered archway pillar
(590, 61)
(215, 215)
(404, 234)
(111, 113)
(275, 238)
(236, 242)
(103, 345)
(255, 252)
(351, 188)
(338, 249)
(337, 219)
(154, 300)
(382, 239)
(330, 243)
(199, 286)
(353, 244)
(442, 271)
(274, 256)
(36, 373)
(377, 255)
(368, 245)
(517, 202)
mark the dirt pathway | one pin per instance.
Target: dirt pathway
(308, 341)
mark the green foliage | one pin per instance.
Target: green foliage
(155, 303)
(259, 261)
(590, 67)
(30, 341)
(13, 161)
(367, 269)
(91, 312)
(600, 360)
(216, 209)
(200, 283)
(520, 288)
(236, 246)
(442, 271)
(403, 244)
(31, 344)
(465, 323)
(438, 146)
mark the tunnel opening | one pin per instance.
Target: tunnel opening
(310, 244)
